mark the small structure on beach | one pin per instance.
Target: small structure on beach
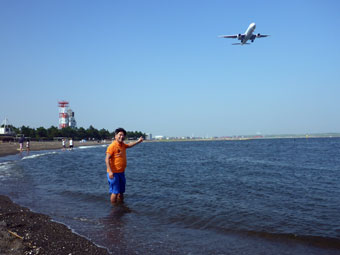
(6, 132)
(5, 128)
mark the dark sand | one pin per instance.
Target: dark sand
(12, 148)
(25, 232)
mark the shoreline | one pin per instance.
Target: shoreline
(7, 149)
(25, 232)
(11, 148)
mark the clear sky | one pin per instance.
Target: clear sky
(159, 67)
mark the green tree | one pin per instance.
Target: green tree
(104, 134)
(53, 132)
(68, 132)
(81, 133)
(92, 133)
(33, 133)
(26, 131)
(41, 132)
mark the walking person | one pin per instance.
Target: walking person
(71, 144)
(28, 143)
(21, 142)
(116, 163)
(63, 142)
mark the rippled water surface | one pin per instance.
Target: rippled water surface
(279, 196)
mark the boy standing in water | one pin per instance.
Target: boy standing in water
(116, 163)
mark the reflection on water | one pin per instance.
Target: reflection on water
(114, 234)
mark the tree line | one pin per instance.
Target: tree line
(53, 132)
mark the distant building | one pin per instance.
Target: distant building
(71, 120)
(159, 137)
(148, 136)
(5, 129)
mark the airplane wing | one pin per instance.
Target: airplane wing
(228, 36)
(254, 36)
(259, 36)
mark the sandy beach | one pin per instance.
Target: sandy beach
(12, 148)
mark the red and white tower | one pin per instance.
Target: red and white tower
(63, 115)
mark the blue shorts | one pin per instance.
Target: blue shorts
(117, 184)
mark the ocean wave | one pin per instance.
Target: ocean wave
(90, 146)
(6, 170)
(318, 241)
(38, 155)
(2, 164)
(310, 240)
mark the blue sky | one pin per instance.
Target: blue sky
(159, 67)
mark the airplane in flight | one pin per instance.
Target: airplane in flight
(248, 35)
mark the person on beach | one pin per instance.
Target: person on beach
(116, 163)
(64, 144)
(28, 145)
(71, 144)
(21, 142)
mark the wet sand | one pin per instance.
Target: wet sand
(12, 148)
(25, 232)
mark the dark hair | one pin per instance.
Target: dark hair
(120, 130)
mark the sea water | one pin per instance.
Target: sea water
(266, 196)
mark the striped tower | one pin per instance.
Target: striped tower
(63, 115)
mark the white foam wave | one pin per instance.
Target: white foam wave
(5, 170)
(5, 163)
(39, 155)
(82, 219)
(88, 147)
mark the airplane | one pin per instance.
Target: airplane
(248, 35)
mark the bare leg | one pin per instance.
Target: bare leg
(114, 198)
(121, 197)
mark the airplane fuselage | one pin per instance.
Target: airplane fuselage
(248, 33)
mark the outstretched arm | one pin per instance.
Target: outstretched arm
(141, 139)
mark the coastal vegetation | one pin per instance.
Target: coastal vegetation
(81, 133)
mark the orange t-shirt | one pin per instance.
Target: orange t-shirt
(118, 156)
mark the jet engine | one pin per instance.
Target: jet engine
(239, 36)
(258, 35)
